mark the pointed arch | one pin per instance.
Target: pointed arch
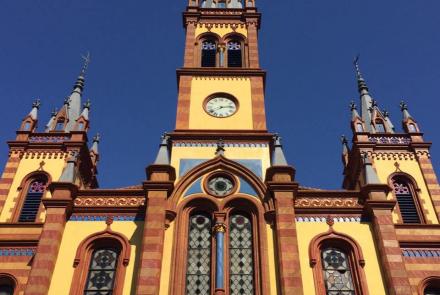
(348, 246)
(432, 282)
(83, 258)
(219, 163)
(8, 283)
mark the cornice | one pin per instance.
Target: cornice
(221, 72)
(226, 135)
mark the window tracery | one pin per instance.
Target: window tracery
(209, 53)
(337, 273)
(102, 272)
(32, 201)
(407, 200)
(235, 54)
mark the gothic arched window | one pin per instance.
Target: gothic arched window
(31, 204)
(409, 207)
(7, 285)
(198, 273)
(235, 56)
(241, 275)
(209, 53)
(380, 126)
(337, 273)
(102, 271)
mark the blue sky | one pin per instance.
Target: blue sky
(307, 47)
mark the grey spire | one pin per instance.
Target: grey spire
(220, 151)
(354, 112)
(51, 121)
(366, 99)
(75, 97)
(69, 173)
(386, 115)
(96, 140)
(86, 109)
(345, 147)
(278, 158)
(163, 156)
(405, 112)
(35, 107)
(370, 175)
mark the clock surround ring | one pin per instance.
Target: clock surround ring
(221, 94)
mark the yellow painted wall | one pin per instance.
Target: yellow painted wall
(386, 167)
(166, 260)
(75, 232)
(54, 167)
(202, 87)
(221, 31)
(208, 153)
(362, 233)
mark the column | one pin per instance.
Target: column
(219, 230)
(57, 210)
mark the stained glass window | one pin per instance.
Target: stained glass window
(32, 202)
(6, 290)
(198, 273)
(337, 274)
(209, 52)
(102, 272)
(241, 257)
(405, 199)
(234, 54)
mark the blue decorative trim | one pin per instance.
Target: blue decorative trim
(227, 144)
(18, 252)
(421, 253)
(255, 165)
(324, 219)
(104, 218)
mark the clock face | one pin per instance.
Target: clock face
(221, 107)
(220, 186)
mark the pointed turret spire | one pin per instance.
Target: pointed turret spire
(388, 121)
(362, 85)
(69, 173)
(354, 112)
(96, 140)
(405, 112)
(366, 99)
(49, 124)
(35, 107)
(86, 109)
(409, 123)
(163, 156)
(220, 151)
(370, 174)
(75, 97)
(278, 158)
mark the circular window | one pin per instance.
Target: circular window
(220, 185)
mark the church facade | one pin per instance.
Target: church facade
(220, 211)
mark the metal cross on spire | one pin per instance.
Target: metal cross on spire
(357, 67)
(87, 61)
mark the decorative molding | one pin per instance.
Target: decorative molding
(394, 140)
(391, 155)
(75, 217)
(327, 202)
(421, 253)
(423, 154)
(109, 202)
(341, 219)
(48, 138)
(214, 144)
(211, 25)
(17, 251)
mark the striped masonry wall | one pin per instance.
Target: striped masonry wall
(7, 177)
(431, 180)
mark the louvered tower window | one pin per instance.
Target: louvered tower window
(406, 201)
(198, 270)
(102, 272)
(234, 54)
(209, 53)
(32, 202)
(337, 274)
(241, 275)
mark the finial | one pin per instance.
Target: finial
(386, 114)
(54, 112)
(97, 138)
(220, 148)
(344, 139)
(374, 103)
(353, 105)
(330, 221)
(86, 63)
(362, 86)
(109, 221)
(278, 158)
(403, 106)
(87, 104)
(67, 101)
(163, 156)
(36, 104)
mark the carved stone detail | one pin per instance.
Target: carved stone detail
(109, 202)
(327, 202)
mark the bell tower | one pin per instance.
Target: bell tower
(221, 84)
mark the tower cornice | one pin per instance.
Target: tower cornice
(194, 15)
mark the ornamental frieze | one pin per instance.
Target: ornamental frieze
(109, 202)
(327, 202)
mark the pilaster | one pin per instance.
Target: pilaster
(280, 184)
(390, 255)
(159, 185)
(57, 210)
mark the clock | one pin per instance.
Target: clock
(220, 186)
(221, 106)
